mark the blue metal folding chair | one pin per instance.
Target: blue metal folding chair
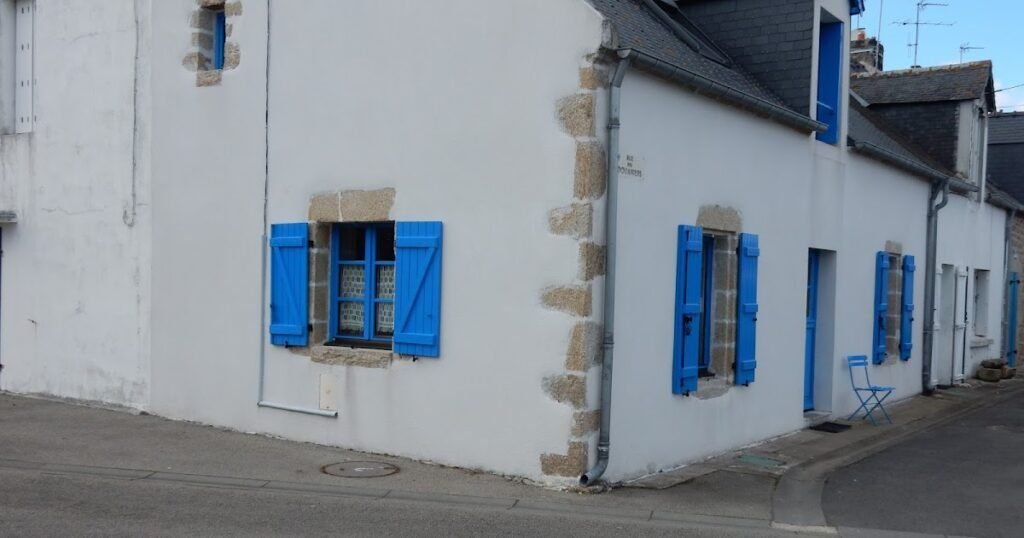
(868, 394)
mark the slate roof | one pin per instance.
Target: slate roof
(957, 82)
(640, 29)
(1006, 128)
(867, 127)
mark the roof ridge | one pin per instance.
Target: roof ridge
(924, 70)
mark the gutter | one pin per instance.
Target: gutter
(727, 94)
(958, 185)
(611, 232)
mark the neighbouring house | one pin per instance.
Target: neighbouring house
(944, 112)
(1006, 170)
(428, 229)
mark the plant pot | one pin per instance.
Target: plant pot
(990, 374)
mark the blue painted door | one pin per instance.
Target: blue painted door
(1011, 333)
(813, 261)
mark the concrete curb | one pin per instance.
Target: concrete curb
(796, 500)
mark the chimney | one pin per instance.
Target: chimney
(866, 54)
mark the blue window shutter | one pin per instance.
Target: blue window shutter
(289, 284)
(881, 309)
(830, 64)
(907, 313)
(746, 312)
(686, 346)
(1011, 332)
(418, 289)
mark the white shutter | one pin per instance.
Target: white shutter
(23, 72)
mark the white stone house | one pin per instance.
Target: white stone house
(392, 226)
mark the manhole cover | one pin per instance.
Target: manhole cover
(360, 469)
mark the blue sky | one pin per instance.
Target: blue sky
(997, 25)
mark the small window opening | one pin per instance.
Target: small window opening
(213, 36)
(363, 285)
(981, 281)
(830, 66)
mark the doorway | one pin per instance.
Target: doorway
(943, 353)
(960, 326)
(811, 326)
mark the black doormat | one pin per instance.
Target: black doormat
(831, 427)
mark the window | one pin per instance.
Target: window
(981, 302)
(893, 316)
(212, 33)
(716, 308)
(380, 284)
(363, 284)
(895, 285)
(717, 343)
(830, 66)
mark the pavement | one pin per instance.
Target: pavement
(68, 468)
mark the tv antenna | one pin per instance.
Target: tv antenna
(917, 24)
(965, 47)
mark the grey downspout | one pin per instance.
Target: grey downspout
(611, 219)
(929, 281)
(1007, 251)
(260, 402)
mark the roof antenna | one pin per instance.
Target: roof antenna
(917, 24)
(965, 47)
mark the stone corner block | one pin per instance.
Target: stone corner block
(724, 219)
(576, 114)
(575, 220)
(593, 77)
(575, 300)
(592, 261)
(233, 9)
(591, 176)
(208, 78)
(232, 55)
(325, 207)
(568, 389)
(366, 206)
(586, 422)
(345, 356)
(572, 464)
(585, 348)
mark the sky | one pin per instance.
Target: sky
(996, 25)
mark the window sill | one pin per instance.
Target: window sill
(981, 342)
(347, 356)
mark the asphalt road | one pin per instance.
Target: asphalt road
(963, 478)
(39, 504)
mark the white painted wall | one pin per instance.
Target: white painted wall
(75, 295)
(797, 194)
(455, 107)
(765, 172)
